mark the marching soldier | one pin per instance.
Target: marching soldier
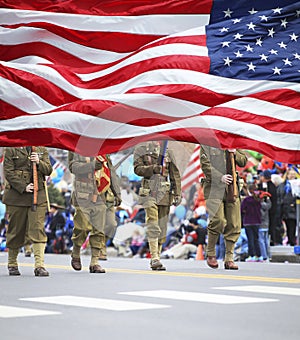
(221, 192)
(91, 182)
(160, 188)
(18, 197)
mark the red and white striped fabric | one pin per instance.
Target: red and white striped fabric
(193, 172)
(97, 76)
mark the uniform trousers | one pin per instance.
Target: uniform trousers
(89, 220)
(21, 218)
(156, 221)
(224, 218)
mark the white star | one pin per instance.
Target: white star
(249, 48)
(235, 21)
(227, 13)
(226, 43)
(253, 11)
(276, 70)
(287, 62)
(251, 26)
(294, 37)
(297, 56)
(271, 32)
(277, 10)
(258, 42)
(227, 61)
(263, 57)
(282, 45)
(273, 51)
(263, 18)
(251, 67)
(224, 29)
(284, 23)
(297, 13)
(238, 54)
(237, 36)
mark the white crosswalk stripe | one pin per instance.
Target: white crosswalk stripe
(123, 305)
(16, 312)
(264, 289)
(198, 297)
(114, 305)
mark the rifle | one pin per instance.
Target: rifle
(162, 155)
(232, 192)
(35, 183)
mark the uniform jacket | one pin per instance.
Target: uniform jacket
(85, 189)
(213, 165)
(162, 188)
(18, 174)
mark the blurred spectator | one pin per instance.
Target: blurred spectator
(194, 236)
(136, 243)
(266, 184)
(138, 215)
(263, 234)
(287, 206)
(68, 228)
(241, 247)
(251, 215)
(55, 230)
(128, 196)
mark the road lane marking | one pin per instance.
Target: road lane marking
(213, 275)
(16, 312)
(264, 289)
(78, 301)
(198, 297)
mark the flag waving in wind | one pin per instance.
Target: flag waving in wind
(97, 76)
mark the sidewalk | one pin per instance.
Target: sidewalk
(284, 254)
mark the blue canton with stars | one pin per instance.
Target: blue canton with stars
(251, 40)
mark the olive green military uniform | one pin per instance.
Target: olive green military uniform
(224, 217)
(157, 192)
(113, 198)
(18, 174)
(89, 218)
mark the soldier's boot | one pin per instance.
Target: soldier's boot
(39, 255)
(155, 263)
(27, 250)
(75, 258)
(211, 259)
(12, 264)
(94, 265)
(229, 253)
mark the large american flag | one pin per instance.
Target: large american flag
(100, 76)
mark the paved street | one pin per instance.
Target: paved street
(190, 300)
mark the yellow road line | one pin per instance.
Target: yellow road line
(181, 274)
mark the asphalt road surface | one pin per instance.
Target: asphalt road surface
(188, 301)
